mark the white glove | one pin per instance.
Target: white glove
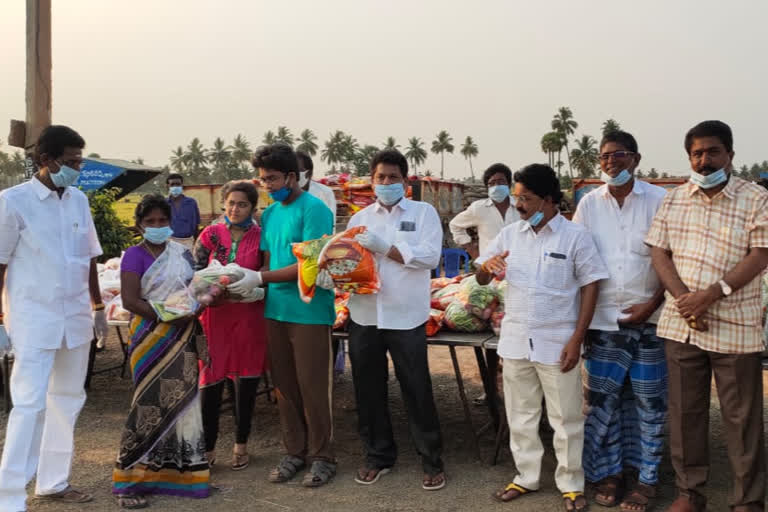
(251, 279)
(324, 280)
(100, 324)
(254, 295)
(5, 342)
(373, 243)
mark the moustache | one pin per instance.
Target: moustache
(707, 169)
(520, 211)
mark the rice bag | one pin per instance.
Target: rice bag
(307, 254)
(441, 298)
(459, 318)
(352, 267)
(210, 282)
(435, 321)
(439, 283)
(480, 299)
(342, 310)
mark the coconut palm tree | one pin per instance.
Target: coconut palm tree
(585, 156)
(441, 144)
(284, 135)
(307, 142)
(196, 160)
(391, 143)
(610, 125)
(363, 158)
(333, 150)
(469, 151)
(269, 138)
(564, 124)
(552, 144)
(416, 154)
(349, 147)
(220, 154)
(241, 150)
(178, 159)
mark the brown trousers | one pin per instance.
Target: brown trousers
(300, 359)
(739, 383)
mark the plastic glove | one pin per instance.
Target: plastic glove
(251, 279)
(5, 342)
(256, 294)
(324, 280)
(373, 243)
(100, 324)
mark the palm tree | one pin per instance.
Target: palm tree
(363, 158)
(349, 147)
(564, 124)
(284, 135)
(552, 144)
(307, 142)
(469, 150)
(196, 160)
(220, 154)
(390, 143)
(241, 150)
(440, 145)
(585, 156)
(178, 159)
(610, 125)
(333, 150)
(269, 138)
(416, 153)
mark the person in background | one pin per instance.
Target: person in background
(320, 191)
(162, 448)
(487, 216)
(299, 334)
(406, 237)
(236, 333)
(48, 280)
(185, 215)
(709, 246)
(548, 307)
(625, 366)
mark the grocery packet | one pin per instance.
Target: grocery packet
(211, 282)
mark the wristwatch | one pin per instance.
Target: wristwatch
(727, 290)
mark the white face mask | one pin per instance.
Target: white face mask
(303, 179)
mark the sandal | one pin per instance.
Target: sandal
(286, 469)
(639, 499)
(609, 491)
(240, 461)
(575, 501)
(319, 474)
(132, 501)
(68, 495)
(211, 458)
(367, 469)
(518, 489)
(428, 482)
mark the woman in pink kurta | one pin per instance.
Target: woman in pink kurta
(235, 330)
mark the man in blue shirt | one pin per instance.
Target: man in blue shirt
(185, 215)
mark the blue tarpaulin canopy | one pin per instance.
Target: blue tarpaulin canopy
(98, 173)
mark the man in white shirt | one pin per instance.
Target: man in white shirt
(48, 246)
(488, 216)
(553, 269)
(320, 191)
(406, 237)
(626, 370)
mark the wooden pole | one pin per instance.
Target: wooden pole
(38, 93)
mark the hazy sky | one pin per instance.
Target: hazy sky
(139, 78)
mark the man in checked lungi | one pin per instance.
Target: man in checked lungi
(625, 369)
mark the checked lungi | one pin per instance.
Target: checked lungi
(625, 381)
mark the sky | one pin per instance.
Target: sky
(139, 78)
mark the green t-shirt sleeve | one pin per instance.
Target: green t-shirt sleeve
(264, 244)
(318, 221)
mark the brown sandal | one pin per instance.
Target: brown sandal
(639, 498)
(240, 461)
(609, 491)
(518, 489)
(68, 495)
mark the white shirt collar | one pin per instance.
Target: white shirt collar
(40, 189)
(637, 188)
(403, 204)
(553, 224)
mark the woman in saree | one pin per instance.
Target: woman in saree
(235, 331)
(162, 450)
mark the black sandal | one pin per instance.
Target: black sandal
(286, 469)
(319, 474)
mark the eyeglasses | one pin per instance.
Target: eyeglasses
(271, 179)
(616, 155)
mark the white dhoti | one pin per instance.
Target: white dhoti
(48, 394)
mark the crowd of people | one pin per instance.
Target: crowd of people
(615, 322)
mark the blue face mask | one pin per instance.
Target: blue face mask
(498, 193)
(244, 224)
(537, 217)
(621, 179)
(66, 176)
(280, 195)
(175, 191)
(710, 180)
(389, 194)
(157, 235)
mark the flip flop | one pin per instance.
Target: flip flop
(520, 490)
(379, 473)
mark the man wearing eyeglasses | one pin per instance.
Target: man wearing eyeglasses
(625, 367)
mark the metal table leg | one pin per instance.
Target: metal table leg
(464, 402)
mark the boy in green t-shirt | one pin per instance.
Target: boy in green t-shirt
(299, 334)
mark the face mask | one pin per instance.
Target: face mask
(537, 217)
(66, 176)
(176, 191)
(622, 178)
(710, 180)
(389, 194)
(498, 193)
(303, 179)
(280, 195)
(244, 224)
(157, 235)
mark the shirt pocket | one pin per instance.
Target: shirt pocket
(734, 244)
(638, 246)
(556, 271)
(81, 242)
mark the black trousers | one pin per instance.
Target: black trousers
(244, 399)
(368, 348)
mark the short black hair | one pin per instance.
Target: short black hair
(305, 161)
(391, 157)
(620, 137)
(710, 129)
(174, 176)
(244, 186)
(495, 169)
(55, 139)
(276, 157)
(151, 202)
(541, 180)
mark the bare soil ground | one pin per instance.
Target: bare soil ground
(470, 482)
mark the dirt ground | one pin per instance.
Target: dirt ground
(470, 482)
